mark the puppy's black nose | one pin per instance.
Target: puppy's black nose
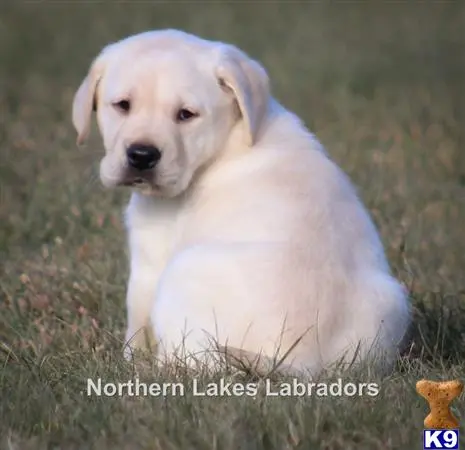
(143, 157)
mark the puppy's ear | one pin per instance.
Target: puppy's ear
(85, 100)
(249, 82)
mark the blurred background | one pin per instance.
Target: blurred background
(381, 84)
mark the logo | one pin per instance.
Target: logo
(440, 439)
(441, 426)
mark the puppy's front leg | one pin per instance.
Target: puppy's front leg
(139, 299)
(149, 230)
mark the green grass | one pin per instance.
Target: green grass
(382, 86)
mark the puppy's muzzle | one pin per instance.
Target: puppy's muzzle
(142, 156)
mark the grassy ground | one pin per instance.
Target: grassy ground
(383, 86)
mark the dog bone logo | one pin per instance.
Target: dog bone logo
(439, 395)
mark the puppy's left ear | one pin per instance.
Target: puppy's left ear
(249, 82)
(85, 100)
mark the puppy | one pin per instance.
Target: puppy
(241, 229)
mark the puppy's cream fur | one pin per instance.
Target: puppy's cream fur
(248, 233)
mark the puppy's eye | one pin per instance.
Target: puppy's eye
(183, 115)
(123, 106)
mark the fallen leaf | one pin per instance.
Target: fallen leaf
(100, 220)
(24, 279)
(83, 251)
(22, 304)
(40, 302)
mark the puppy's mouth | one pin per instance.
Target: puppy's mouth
(149, 183)
(136, 182)
(142, 185)
(137, 179)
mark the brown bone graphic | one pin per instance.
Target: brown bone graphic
(439, 394)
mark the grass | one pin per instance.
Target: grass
(382, 86)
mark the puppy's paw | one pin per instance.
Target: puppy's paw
(137, 342)
(128, 352)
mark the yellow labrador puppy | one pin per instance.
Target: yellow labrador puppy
(241, 229)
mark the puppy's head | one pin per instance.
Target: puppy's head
(166, 102)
